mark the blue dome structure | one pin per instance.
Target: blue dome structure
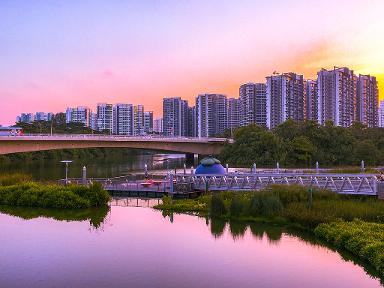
(210, 165)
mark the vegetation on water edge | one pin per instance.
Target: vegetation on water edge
(13, 178)
(363, 239)
(87, 153)
(53, 196)
(291, 203)
(301, 144)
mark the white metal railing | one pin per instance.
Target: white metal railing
(360, 184)
(364, 184)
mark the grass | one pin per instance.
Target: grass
(363, 239)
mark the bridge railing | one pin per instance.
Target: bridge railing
(364, 184)
(112, 137)
(360, 184)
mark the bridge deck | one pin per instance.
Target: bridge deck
(359, 184)
(28, 143)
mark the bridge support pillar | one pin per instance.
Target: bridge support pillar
(191, 159)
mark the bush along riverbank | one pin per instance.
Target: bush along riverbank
(329, 216)
(365, 239)
(14, 191)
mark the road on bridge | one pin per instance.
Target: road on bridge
(29, 143)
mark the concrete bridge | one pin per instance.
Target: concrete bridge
(29, 143)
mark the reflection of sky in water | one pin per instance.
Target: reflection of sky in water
(140, 247)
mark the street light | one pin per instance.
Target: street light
(67, 162)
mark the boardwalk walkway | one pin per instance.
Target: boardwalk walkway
(360, 184)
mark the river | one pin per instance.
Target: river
(130, 246)
(96, 168)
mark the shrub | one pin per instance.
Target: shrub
(53, 196)
(236, 207)
(265, 205)
(363, 239)
(217, 206)
(12, 179)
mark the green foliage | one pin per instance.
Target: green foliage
(300, 144)
(284, 202)
(236, 207)
(185, 205)
(14, 178)
(53, 196)
(217, 206)
(363, 239)
(324, 211)
(58, 126)
(56, 155)
(265, 204)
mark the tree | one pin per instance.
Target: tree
(300, 152)
(366, 151)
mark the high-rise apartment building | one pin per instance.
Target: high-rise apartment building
(122, 115)
(148, 122)
(192, 122)
(381, 114)
(311, 102)
(138, 120)
(25, 118)
(367, 100)
(80, 114)
(43, 116)
(253, 107)
(234, 108)
(212, 114)
(285, 98)
(93, 121)
(175, 117)
(337, 96)
(158, 126)
(105, 117)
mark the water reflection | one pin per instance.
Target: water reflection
(95, 216)
(52, 169)
(137, 247)
(238, 229)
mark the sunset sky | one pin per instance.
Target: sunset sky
(56, 54)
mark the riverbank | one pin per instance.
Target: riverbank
(17, 190)
(326, 215)
(84, 154)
